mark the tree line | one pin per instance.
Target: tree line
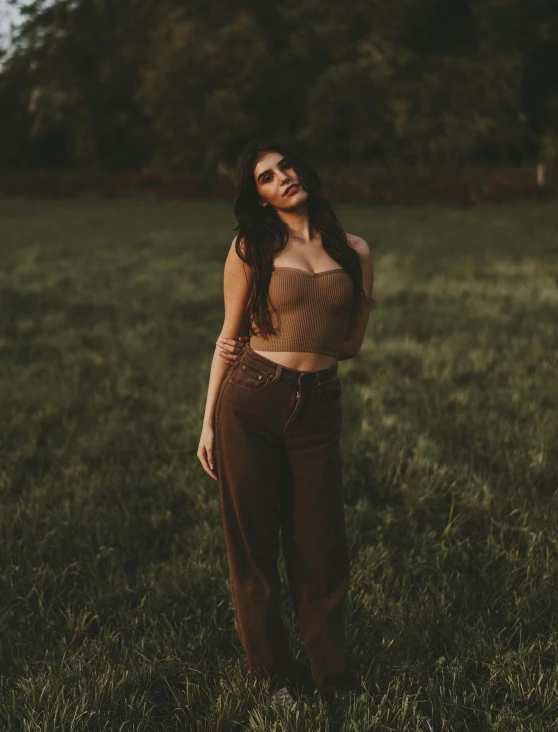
(180, 85)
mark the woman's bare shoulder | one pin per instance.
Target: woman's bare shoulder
(358, 244)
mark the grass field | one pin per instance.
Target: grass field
(115, 609)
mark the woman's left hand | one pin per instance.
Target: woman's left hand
(230, 348)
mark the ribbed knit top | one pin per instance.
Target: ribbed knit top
(311, 311)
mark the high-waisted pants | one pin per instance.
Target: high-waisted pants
(278, 460)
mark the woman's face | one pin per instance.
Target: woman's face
(274, 175)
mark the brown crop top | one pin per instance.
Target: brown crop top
(311, 311)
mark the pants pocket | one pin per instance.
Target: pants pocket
(330, 389)
(250, 377)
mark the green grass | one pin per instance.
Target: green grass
(115, 609)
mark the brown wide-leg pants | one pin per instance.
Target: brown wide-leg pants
(278, 460)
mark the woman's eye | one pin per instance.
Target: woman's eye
(269, 177)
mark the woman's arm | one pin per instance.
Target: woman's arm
(361, 311)
(237, 283)
(219, 368)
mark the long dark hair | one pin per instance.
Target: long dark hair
(260, 229)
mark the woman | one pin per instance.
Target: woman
(272, 424)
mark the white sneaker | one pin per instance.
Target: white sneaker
(282, 699)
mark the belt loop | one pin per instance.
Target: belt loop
(277, 373)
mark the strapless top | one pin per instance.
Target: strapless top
(310, 310)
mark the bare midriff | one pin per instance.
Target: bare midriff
(299, 360)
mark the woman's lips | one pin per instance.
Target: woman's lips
(291, 190)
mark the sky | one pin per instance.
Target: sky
(9, 17)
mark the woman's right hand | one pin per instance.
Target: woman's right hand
(230, 348)
(206, 450)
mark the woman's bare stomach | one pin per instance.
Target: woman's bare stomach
(299, 360)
